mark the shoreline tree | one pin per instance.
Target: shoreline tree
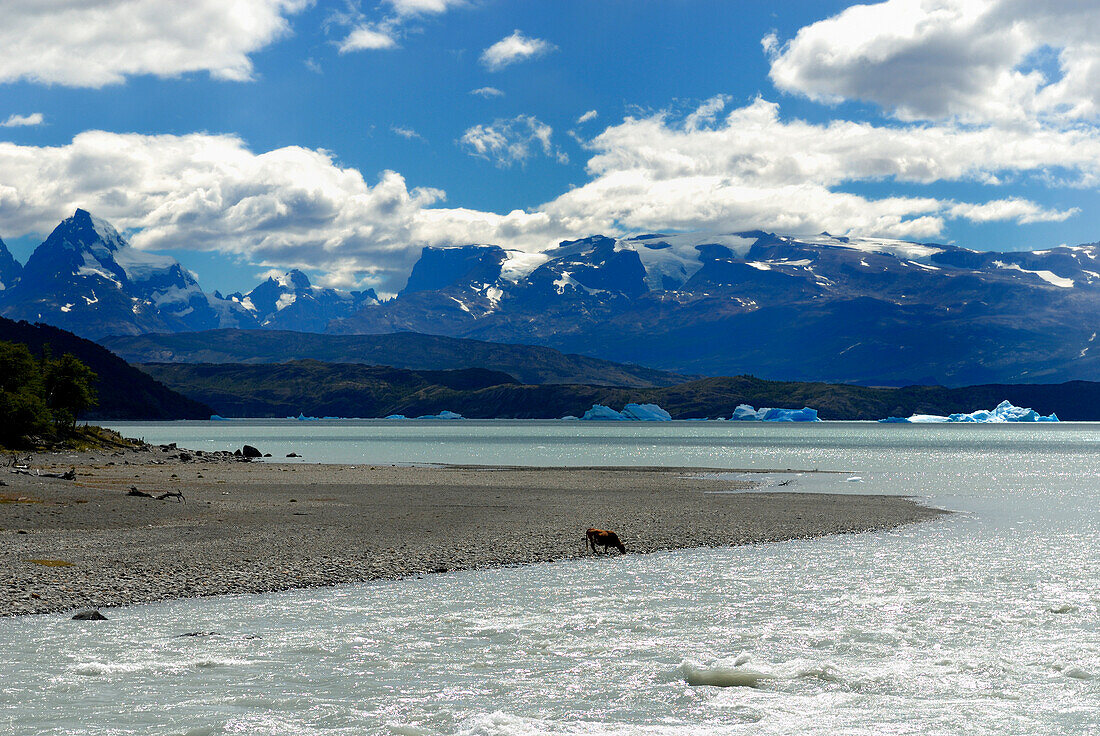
(43, 397)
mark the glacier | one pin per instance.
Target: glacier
(630, 413)
(745, 413)
(1005, 412)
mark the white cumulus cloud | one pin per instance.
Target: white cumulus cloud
(20, 121)
(92, 43)
(752, 169)
(590, 115)
(289, 207)
(977, 60)
(714, 169)
(512, 49)
(487, 92)
(382, 32)
(511, 141)
(407, 133)
(365, 38)
(423, 7)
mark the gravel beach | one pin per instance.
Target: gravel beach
(258, 527)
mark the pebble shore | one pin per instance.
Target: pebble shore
(252, 527)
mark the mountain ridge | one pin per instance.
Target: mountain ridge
(819, 307)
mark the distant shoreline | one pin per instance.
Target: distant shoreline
(264, 527)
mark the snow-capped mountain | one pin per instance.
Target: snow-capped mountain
(86, 278)
(817, 307)
(290, 302)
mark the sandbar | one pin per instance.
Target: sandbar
(254, 527)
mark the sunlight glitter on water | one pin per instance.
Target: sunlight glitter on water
(987, 622)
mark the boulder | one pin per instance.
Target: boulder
(89, 615)
(250, 451)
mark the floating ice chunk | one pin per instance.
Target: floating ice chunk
(397, 416)
(442, 415)
(719, 676)
(599, 412)
(217, 418)
(630, 412)
(745, 413)
(303, 418)
(1005, 412)
(646, 413)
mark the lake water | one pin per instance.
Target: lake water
(984, 622)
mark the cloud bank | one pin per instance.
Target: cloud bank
(709, 171)
(93, 43)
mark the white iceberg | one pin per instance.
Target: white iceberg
(1005, 412)
(745, 413)
(630, 413)
(442, 415)
(646, 413)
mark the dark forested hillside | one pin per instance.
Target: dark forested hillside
(348, 390)
(414, 351)
(124, 391)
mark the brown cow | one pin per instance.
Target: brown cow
(605, 539)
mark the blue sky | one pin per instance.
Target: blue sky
(250, 135)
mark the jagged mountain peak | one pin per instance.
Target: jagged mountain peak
(85, 231)
(10, 269)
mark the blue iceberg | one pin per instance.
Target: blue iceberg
(1005, 412)
(745, 413)
(216, 418)
(630, 413)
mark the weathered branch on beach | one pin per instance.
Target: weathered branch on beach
(178, 495)
(67, 475)
(13, 461)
